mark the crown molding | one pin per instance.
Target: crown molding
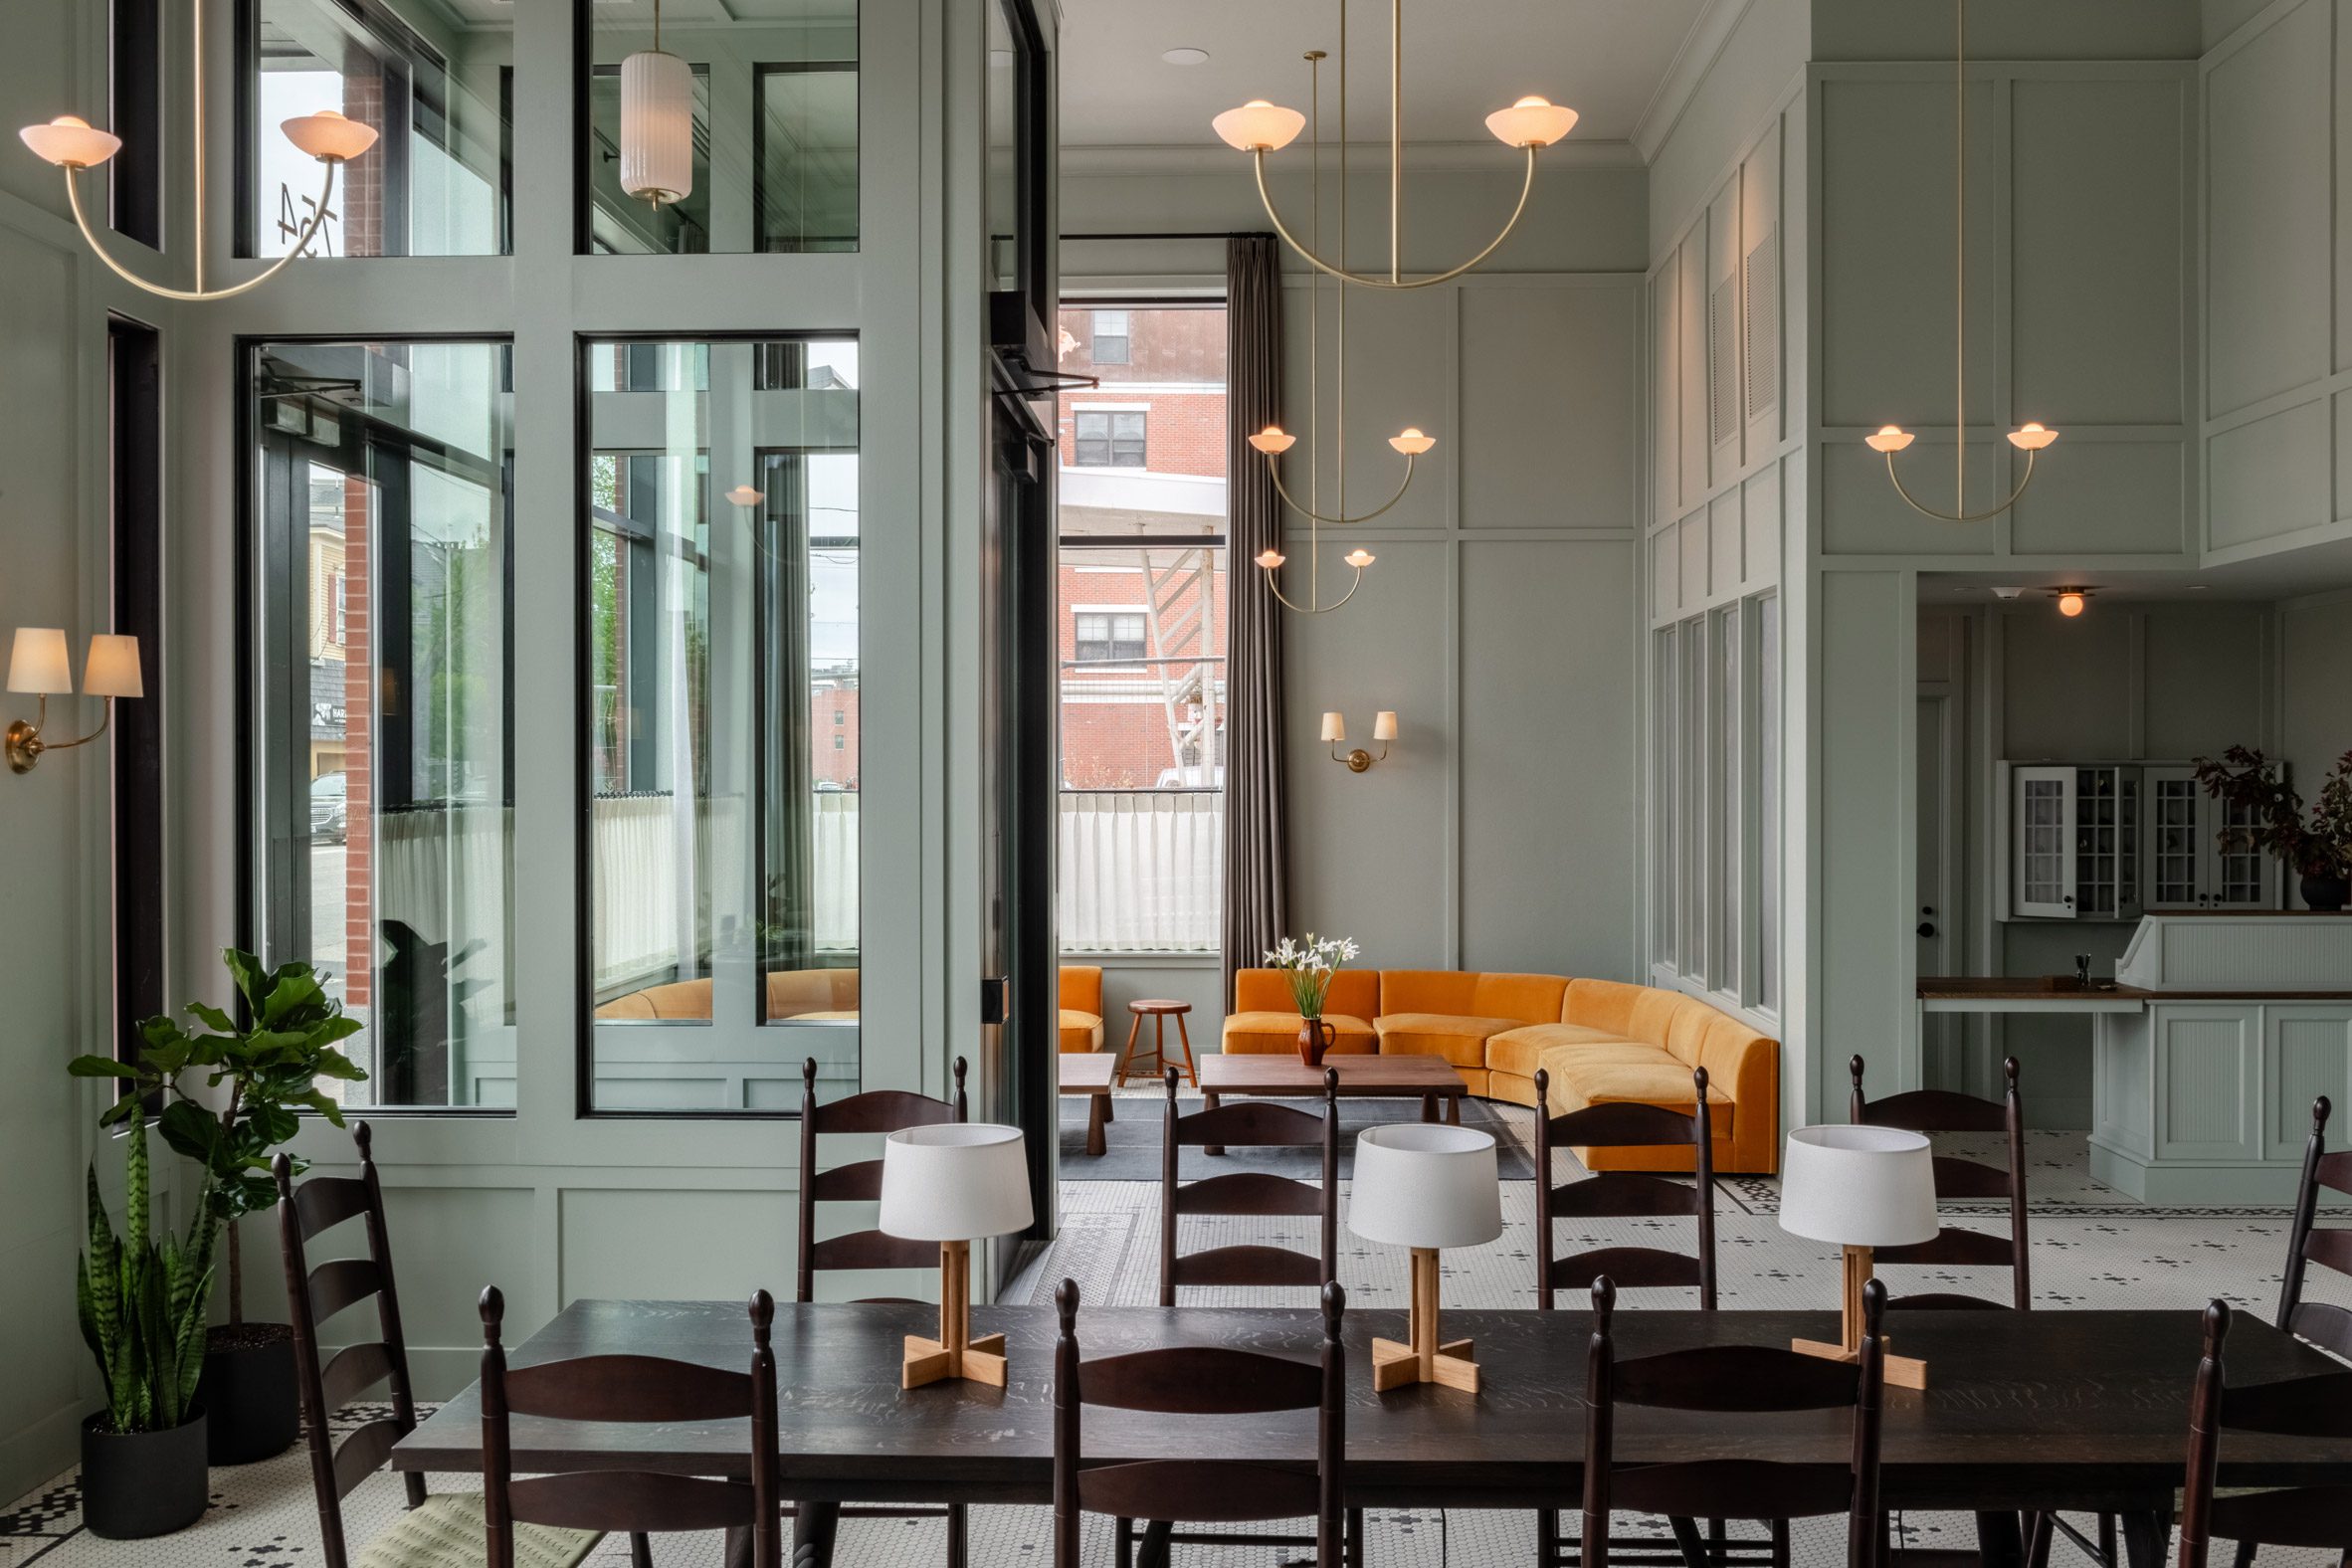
(1701, 48)
(1365, 157)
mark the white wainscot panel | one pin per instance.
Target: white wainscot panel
(678, 1244)
(2306, 1053)
(2269, 476)
(2208, 1066)
(1725, 543)
(1761, 527)
(1550, 407)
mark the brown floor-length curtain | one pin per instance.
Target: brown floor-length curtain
(1256, 850)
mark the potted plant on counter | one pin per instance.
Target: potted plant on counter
(254, 1077)
(2319, 848)
(141, 1305)
(1309, 967)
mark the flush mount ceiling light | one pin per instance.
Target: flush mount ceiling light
(657, 123)
(2030, 439)
(1185, 56)
(2072, 602)
(1259, 127)
(74, 144)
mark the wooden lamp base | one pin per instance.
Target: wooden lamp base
(955, 1353)
(1424, 1360)
(1901, 1371)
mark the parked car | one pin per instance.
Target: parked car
(331, 802)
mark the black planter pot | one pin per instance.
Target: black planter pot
(141, 1483)
(2326, 893)
(249, 1393)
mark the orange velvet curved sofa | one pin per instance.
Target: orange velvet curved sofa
(814, 996)
(1601, 1040)
(1081, 1006)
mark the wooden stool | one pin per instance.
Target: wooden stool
(1159, 1013)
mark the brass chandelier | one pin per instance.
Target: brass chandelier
(1259, 127)
(1271, 442)
(74, 144)
(2030, 438)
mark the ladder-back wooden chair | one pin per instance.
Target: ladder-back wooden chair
(423, 1534)
(1202, 1380)
(1250, 1124)
(2303, 1407)
(1631, 1195)
(1932, 1110)
(2321, 1322)
(1731, 1381)
(873, 1113)
(628, 1389)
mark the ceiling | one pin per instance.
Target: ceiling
(1606, 59)
(2289, 574)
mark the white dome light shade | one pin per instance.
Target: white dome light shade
(1270, 559)
(1425, 1184)
(1856, 1186)
(328, 136)
(747, 495)
(1360, 559)
(69, 141)
(958, 1181)
(1890, 438)
(657, 126)
(1274, 441)
(1260, 127)
(1411, 442)
(2032, 438)
(1533, 122)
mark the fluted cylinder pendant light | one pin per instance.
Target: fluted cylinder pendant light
(657, 123)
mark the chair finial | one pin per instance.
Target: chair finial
(281, 1167)
(2217, 1326)
(1334, 1308)
(1066, 1306)
(1873, 1306)
(363, 1135)
(494, 1313)
(1854, 1070)
(1699, 1080)
(2009, 1069)
(2320, 1110)
(808, 1075)
(1603, 1303)
(1171, 1078)
(961, 1068)
(763, 1316)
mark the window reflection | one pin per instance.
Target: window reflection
(722, 655)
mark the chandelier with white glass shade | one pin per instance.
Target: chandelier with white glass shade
(74, 144)
(2030, 438)
(1259, 127)
(657, 123)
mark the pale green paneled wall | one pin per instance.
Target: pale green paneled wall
(2009, 30)
(2278, 411)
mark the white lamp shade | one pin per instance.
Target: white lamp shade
(657, 126)
(328, 136)
(71, 142)
(1335, 726)
(1384, 726)
(113, 668)
(1858, 1186)
(957, 1182)
(1533, 122)
(1891, 438)
(1259, 127)
(39, 662)
(1425, 1184)
(747, 495)
(1411, 442)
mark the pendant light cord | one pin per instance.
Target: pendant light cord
(1960, 254)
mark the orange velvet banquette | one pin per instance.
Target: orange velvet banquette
(1603, 1042)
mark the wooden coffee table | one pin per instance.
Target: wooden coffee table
(1087, 1072)
(1432, 1080)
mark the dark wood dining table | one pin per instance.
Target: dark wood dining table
(2084, 1410)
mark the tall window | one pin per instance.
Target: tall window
(721, 648)
(772, 153)
(385, 760)
(1143, 599)
(438, 180)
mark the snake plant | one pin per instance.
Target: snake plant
(142, 1301)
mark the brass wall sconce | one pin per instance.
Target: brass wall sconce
(39, 664)
(1384, 731)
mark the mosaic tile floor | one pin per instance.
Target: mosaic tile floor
(2091, 1249)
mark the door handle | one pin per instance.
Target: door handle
(1926, 928)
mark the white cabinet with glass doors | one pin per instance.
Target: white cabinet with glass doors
(2103, 841)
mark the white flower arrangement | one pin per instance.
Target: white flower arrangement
(1310, 965)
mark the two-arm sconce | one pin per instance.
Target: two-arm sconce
(39, 664)
(1384, 731)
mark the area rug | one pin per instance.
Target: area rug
(1133, 1140)
(2058, 1183)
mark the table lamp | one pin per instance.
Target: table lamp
(1862, 1188)
(954, 1184)
(1425, 1186)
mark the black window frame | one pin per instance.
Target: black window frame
(134, 364)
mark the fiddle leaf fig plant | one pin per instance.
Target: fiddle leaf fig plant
(267, 1070)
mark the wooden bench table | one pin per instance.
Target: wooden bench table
(1089, 1073)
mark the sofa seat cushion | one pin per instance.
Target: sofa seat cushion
(827, 1016)
(1460, 1041)
(1266, 1033)
(1578, 1081)
(1081, 1031)
(1520, 1051)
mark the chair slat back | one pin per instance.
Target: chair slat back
(2326, 1325)
(1944, 1110)
(1203, 1380)
(315, 1295)
(1624, 1195)
(877, 1111)
(629, 1390)
(2310, 1407)
(1734, 1380)
(1250, 1124)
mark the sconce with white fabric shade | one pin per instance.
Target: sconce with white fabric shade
(40, 666)
(1425, 1186)
(38, 662)
(112, 668)
(954, 1184)
(1862, 1188)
